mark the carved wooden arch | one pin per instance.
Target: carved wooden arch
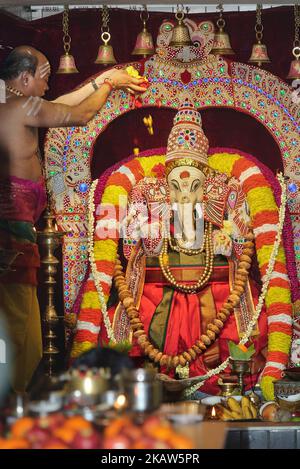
(208, 84)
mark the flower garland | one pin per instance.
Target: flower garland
(264, 215)
(189, 392)
(265, 221)
(96, 275)
(287, 227)
(103, 251)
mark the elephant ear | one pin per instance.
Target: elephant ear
(130, 226)
(215, 194)
(237, 208)
(148, 206)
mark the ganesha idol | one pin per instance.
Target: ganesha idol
(191, 262)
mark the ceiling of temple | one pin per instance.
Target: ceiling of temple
(124, 2)
(39, 9)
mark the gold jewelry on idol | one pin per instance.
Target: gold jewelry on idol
(203, 280)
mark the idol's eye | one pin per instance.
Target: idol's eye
(196, 43)
(175, 185)
(195, 185)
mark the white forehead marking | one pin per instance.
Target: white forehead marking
(44, 69)
(45, 65)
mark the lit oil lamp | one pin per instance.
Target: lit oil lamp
(213, 413)
(120, 403)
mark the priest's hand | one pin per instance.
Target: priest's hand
(120, 79)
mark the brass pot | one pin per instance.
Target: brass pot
(240, 366)
(229, 389)
(87, 388)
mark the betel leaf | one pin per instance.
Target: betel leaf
(237, 352)
(122, 347)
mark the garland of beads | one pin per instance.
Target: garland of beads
(213, 329)
(209, 261)
(189, 392)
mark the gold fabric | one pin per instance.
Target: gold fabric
(20, 309)
(208, 313)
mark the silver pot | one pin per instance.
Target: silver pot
(142, 390)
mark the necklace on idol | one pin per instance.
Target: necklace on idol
(14, 90)
(203, 280)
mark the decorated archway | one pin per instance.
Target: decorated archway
(210, 83)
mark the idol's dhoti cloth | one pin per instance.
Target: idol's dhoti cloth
(21, 204)
(174, 321)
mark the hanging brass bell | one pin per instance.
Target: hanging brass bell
(67, 64)
(105, 54)
(66, 61)
(294, 72)
(144, 42)
(259, 54)
(221, 44)
(181, 34)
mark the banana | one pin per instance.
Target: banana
(245, 406)
(234, 405)
(253, 410)
(226, 414)
(237, 411)
(247, 413)
(236, 415)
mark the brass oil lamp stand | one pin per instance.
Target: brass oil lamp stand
(240, 367)
(49, 239)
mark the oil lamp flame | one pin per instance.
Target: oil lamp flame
(120, 402)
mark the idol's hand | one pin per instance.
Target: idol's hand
(122, 80)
